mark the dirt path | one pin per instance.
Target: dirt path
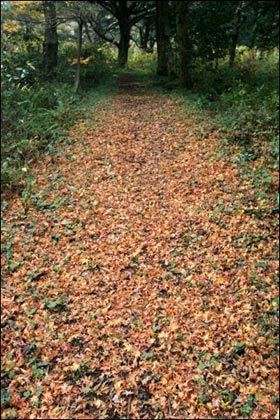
(136, 285)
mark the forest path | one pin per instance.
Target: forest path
(131, 281)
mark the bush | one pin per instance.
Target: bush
(245, 97)
(33, 120)
(241, 105)
(96, 65)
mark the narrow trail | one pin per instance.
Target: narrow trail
(132, 289)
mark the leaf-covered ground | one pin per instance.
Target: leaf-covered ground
(139, 276)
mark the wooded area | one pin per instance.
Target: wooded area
(140, 203)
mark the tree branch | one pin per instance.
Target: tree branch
(110, 6)
(102, 35)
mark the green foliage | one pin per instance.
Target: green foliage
(97, 66)
(34, 118)
(249, 406)
(144, 63)
(241, 105)
(37, 113)
(5, 397)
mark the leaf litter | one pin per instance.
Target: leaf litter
(137, 285)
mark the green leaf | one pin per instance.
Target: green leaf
(27, 394)
(39, 391)
(171, 266)
(202, 398)
(54, 304)
(5, 396)
(38, 372)
(13, 266)
(213, 361)
(147, 355)
(202, 366)
(85, 361)
(238, 349)
(246, 409)
(33, 311)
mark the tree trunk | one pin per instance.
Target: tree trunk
(50, 45)
(235, 33)
(123, 46)
(164, 50)
(184, 45)
(146, 38)
(78, 69)
(232, 50)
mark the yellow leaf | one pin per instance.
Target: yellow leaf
(75, 367)
(117, 386)
(219, 367)
(137, 252)
(11, 27)
(163, 381)
(226, 405)
(173, 326)
(86, 60)
(163, 334)
(97, 403)
(82, 60)
(128, 347)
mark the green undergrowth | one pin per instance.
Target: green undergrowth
(38, 117)
(38, 114)
(141, 67)
(241, 106)
(141, 63)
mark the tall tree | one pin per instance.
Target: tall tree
(146, 34)
(127, 14)
(163, 35)
(265, 31)
(50, 45)
(79, 54)
(238, 17)
(184, 44)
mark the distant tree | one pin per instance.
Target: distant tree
(163, 36)
(184, 43)
(126, 14)
(50, 45)
(210, 29)
(146, 34)
(236, 27)
(265, 25)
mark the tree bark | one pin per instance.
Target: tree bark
(123, 46)
(146, 35)
(127, 14)
(164, 50)
(184, 45)
(235, 33)
(78, 69)
(50, 45)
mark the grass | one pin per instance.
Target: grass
(241, 106)
(38, 117)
